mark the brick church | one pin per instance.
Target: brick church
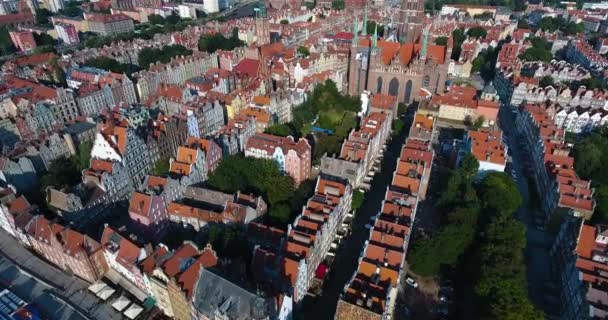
(403, 64)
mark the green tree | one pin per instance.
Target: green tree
(156, 19)
(280, 212)
(43, 49)
(397, 126)
(148, 56)
(469, 166)
(523, 24)
(589, 155)
(358, 198)
(600, 216)
(441, 41)
(282, 130)
(546, 81)
(257, 176)
(326, 144)
(548, 24)
(371, 27)
(173, 19)
(303, 51)
(43, 17)
(478, 63)
(284, 21)
(573, 28)
(6, 45)
(537, 54)
(479, 122)
(71, 9)
(305, 190)
(161, 167)
(458, 36)
(337, 4)
(499, 193)
(43, 39)
(212, 43)
(477, 32)
(83, 156)
(62, 173)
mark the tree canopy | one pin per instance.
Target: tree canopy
(441, 41)
(257, 176)
(6, 45)
(110, 64)
(217, 41)
(538, 52)
(337, 4)
(371, 27)
(477, 32)
(151, 55)
(590, 158)
(303, 51)
(480, 227)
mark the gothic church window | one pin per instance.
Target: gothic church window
(393, 87)
(408, 91)
(379, 86)
(426, 81)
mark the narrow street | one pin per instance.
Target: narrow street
(538, 241)
(324, 306)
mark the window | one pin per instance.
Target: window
(393, 87)
(426, 81)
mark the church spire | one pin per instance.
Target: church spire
(375, 38)
(364, 31)
(355, 32)
(425, 43)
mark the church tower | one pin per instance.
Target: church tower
(262, 26)
(358, 64)
(411, 19)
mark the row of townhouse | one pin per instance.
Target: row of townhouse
(551, 166)
(66, 248)
(119, 142)
(183, 282)
(309, 237)
(579, 256)
(362, 148)
(577, 120)
(519, 89)
(580, 52)
(59, 101)
(371, 293)
(154, 205)
(177, 71)
(121, 87)
(558, 70)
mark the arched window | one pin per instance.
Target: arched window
(426, 81)
(408, 91)
(393, 87)
(379, 85)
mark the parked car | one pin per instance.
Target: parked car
(411, 282)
